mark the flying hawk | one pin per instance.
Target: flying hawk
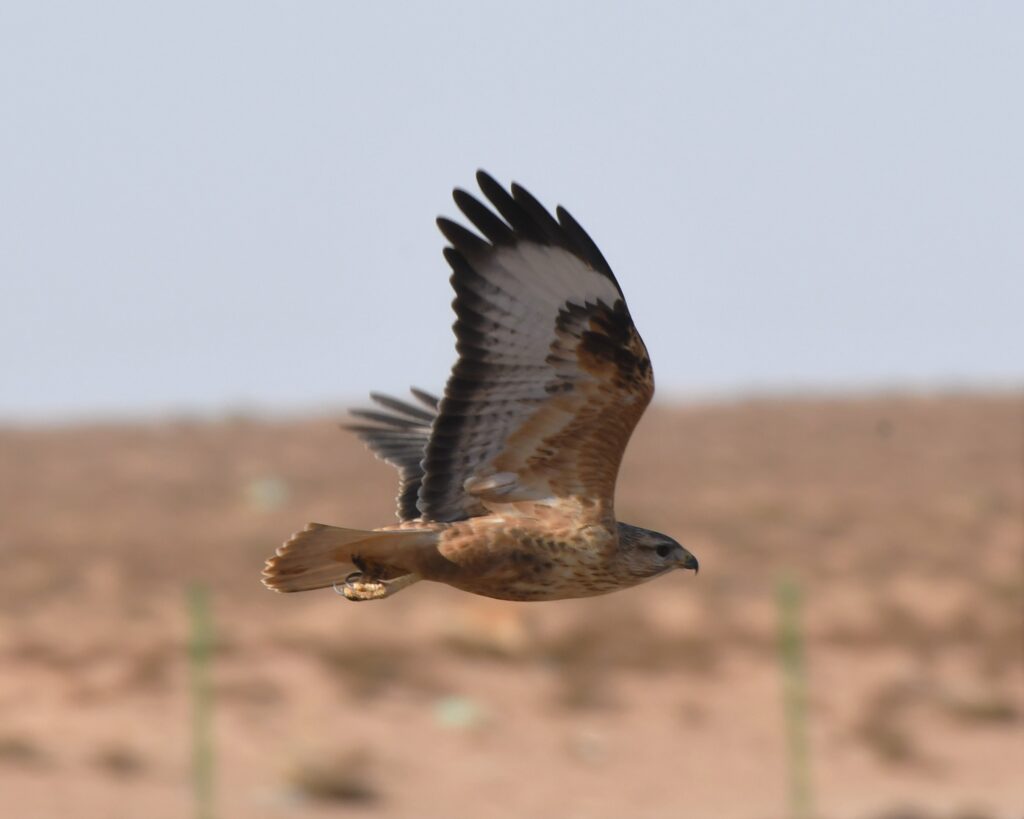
(507, 483)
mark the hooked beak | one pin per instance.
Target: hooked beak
(688, 561)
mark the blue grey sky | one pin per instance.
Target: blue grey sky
(212, 207)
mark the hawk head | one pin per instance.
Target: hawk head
(645, 554)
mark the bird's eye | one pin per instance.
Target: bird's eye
(664, 550)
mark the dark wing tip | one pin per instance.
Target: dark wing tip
(584, 246)
(540, 216)
(462, 239)
(402, 407)
(522, 217)
(485, 179)
(483, 218)
(513, 212)
(398, 433)
(428, 399)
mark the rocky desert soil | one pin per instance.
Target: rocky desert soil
(900, 519)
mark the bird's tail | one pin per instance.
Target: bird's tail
(320, 556)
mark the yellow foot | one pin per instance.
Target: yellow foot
(358, 587)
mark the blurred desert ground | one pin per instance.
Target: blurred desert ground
(901, 517)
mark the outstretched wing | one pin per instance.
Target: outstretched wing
(552, 376)
(398, 434)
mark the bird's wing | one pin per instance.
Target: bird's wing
(398, 433)
(552, 376)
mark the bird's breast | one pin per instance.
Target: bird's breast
(518, 561)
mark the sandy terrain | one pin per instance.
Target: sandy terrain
(901, 519)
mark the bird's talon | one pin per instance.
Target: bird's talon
(355, 588)
(352, 578)
(348, 583)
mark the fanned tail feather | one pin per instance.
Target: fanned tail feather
(320, 555)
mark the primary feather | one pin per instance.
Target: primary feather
(399, 437)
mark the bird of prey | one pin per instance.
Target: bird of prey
(507, 482)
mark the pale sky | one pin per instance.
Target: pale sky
(214, 207)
